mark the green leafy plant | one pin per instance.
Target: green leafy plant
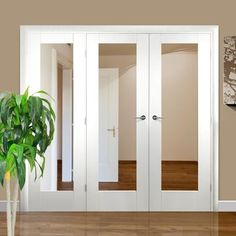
(26, 131)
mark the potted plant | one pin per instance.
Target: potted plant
(26, 131)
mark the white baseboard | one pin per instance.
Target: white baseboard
(3, 206)
(223, 206)
(227, 206)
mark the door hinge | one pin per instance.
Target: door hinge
(85, 120)
(85, 187)
(210, 187)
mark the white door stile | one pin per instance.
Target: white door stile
(79, 121)
(92, 122)
(204, 121)
(155, 126)
(142, 127)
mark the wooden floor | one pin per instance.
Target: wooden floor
(176, 175)
(62, 186)
(127, 178)
(179, 175)
(123, 224)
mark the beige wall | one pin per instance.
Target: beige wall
(168, 12)
(179, 106)
(127, 113)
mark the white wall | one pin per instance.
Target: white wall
(59, 111)
(127, 114)
(67, 119)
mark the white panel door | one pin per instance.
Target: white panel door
(108, 122)
(99, 48)
(43, 194)
(169, 53)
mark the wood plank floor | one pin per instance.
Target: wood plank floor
(176, 175)
(62, 186)
(179, 175)
(119, 224)
(127, 178)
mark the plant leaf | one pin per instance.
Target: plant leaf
(45, 93)
(26, 129)
(2, 169)
(18, 100)
(21, 172)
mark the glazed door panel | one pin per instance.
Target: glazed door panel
(128, 54)
(180, 122)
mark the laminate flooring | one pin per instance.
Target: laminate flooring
(119, 224)
(176, 175)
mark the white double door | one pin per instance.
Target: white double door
(142, 107)
(171, 91)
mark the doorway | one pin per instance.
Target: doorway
(141, 123)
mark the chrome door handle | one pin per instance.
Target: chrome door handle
(154, 117)
(113, 130)
(143, 117)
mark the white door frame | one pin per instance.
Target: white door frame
(27, 68)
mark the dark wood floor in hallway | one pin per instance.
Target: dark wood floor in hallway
(176, 175)
(127, 224)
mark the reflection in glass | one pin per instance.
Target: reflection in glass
(180, 112)
(56, 79)
(117, 110)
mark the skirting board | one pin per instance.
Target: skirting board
(3, 206)
(227, 206)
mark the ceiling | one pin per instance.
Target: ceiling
(117, 49)
(170, 48)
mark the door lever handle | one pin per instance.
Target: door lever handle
(154, 117)
(143, 117)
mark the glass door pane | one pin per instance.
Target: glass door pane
(180, 117)
(56, 79)
(117, 111)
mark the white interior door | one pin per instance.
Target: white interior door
(45, 56)
(128, 53)
(108, 123)
(180, 122)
